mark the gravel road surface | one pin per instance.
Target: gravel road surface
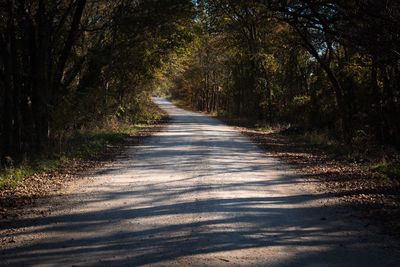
(197, 193)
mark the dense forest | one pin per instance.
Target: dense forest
(329, 65)
(325, 65)
(69, 64)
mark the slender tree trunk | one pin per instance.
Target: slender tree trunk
(41, 89)
(337, 87)
(377, 96)
(17, 82)
(9, 102)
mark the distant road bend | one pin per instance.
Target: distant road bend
(196, 194)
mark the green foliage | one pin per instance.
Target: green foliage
(87, 144)
(274, 64)
(97, 62)
(387, 169)
(321, 66)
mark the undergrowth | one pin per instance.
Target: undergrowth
(82, 145)
(381, 161)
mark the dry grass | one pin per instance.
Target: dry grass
(48, 175)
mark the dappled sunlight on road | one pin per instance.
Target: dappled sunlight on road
(197, 193)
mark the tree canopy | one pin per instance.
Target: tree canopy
(65, 64)
(318, 64)
(315, 64)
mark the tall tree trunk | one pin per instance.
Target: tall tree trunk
(41, 89)
(66, 51)
(9, 102)
(337, 87)
(17, 83)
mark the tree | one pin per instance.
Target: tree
(317, 64)
(65, 64)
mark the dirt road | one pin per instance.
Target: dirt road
(200, 194)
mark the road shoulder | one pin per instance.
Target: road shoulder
(352, 184)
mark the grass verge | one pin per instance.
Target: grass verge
(84, 145)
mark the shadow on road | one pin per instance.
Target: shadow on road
(217, 194)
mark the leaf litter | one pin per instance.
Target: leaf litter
(355, 185)
(21, 199)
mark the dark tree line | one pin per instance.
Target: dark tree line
(36, 42)
(67, 63)
(342, 30)
(317, 64)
